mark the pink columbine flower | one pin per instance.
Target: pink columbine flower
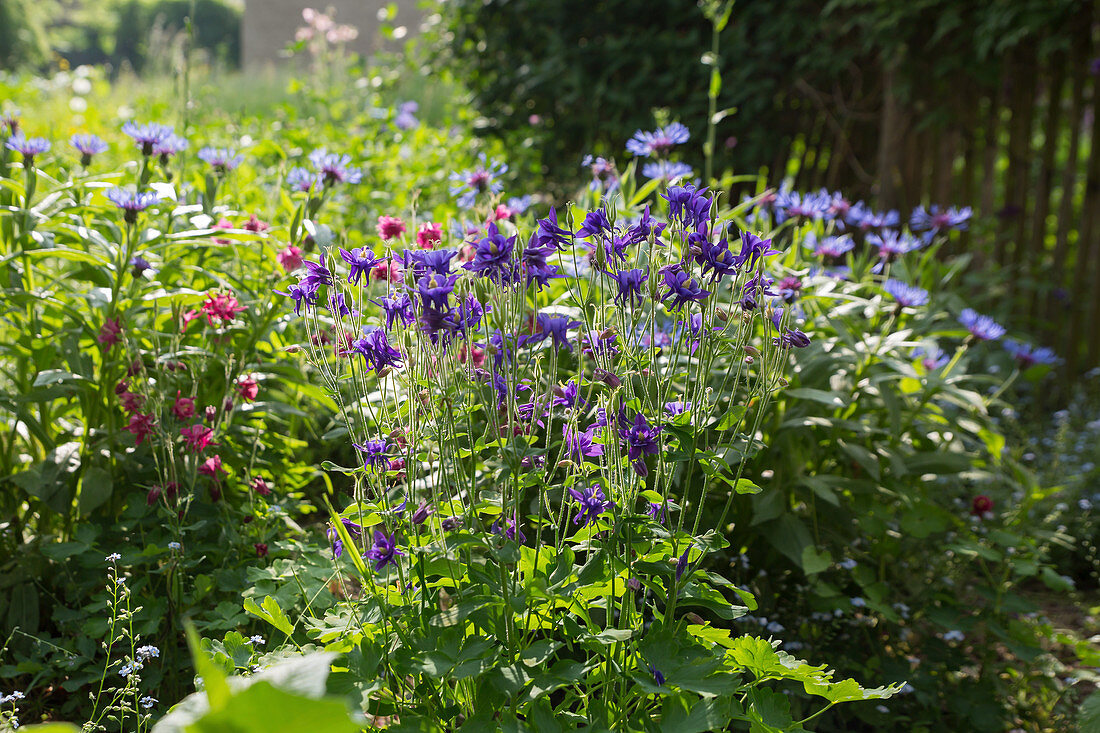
(223, 224)
(197, 437)
(132, 402)
(261, 486)
(386, 270)
(212, 467)
(429, 234)
(222, 307)
(390, 227)
(254, 224)
(141, 426)
(184, 407)
(248, 388)
(290, 259)
(111, 332)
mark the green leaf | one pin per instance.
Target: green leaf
(217, 689)
(814, 562)
(816, 395)
(271, 613)
(263, 708)
(771, 708)
(95, 488)
(1088, 717)
(678, 716)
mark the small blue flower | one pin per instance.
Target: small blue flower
(981, 327)
(220, 159)
(658, 142)
(667, 171)
(905, 294)
(147, 135)
(481, 180)
(148, 701)
(87, 146)
(132, 202)
(333, 168)
(953, 635)
(1028, 355)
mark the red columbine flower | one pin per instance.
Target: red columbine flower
(261, 549)
(390, 227)
(153, 496)
(111, 332)
(290, 259)
(261, 487)
(981, 506)
(223, 307)
(197, 437)
(184, 407)
(122, 387)
(131, 402)
(212, 467)
(141, 426)
(248, 388)
(254, 225)
(429, 234)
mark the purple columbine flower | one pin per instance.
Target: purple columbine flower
(604, 176)
(682, 287)
(834, 247)
(554, 327)
(983, 328)
(147, 135)
(302, 179)
(300, 297)
(715, 258)
(630, 285)
(579, 444)
(493, 257)
(221, 160)
(641, 439)
(533, 262)
(792, 337)
(482, 179)
(549, 231)
(423, 261)
(658, 678)
(682, 563)
(1028, 355)
(656, 512)
(138, 265)
(384, 552)
(688, 205)
(374, 454)
(169, 146)
(658, 142)
(399, 306)
(376, 349)
(27, 146)
(333, 168)
(352, 528)
(753, 249)
(667, 170)
(677, 408)
(596, 224)
(936, 220)
(422, 513)
(592, 502)
(645, 226)
(597, 343)
(905, 294)
(435, 289)
(512, 529)
(87, 146)
(567, 396)
(132, 202)
(360, 261)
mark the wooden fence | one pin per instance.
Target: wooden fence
(1022, 148)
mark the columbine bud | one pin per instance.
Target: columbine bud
(749, 360)
(607, 333)
(292, 349)
(694, 618)
(608, 378)
(634, 584)
(384, 372)
(751, 350)
(721, 314)
(783, 382)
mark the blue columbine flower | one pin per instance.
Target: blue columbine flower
(753, 249)
(905, 294)
(435, 289)
(512, 530)
(333, 168)
(714, 257)
(536, 270)
(399, 306)
(132, 202)
(641, 439)
(658, 142)
(1029, 355)
(360, 261)
(657, 676)
(579, 444)
(682, 563)
(374, 454)
(147, 135)
(555, 327)
(87, 146)
(644, 227)
(981, 327)
(689, 206)
(376, 349)
(599, 343)
(492, 257)
(221, 160)
(423, 261)
(667, 170)
(568, 396)
(592, 502)
(482, 179)
(353, 529)
(384, 552)
(630, 285)
(549, 232)
(596, 224)
(682, 287)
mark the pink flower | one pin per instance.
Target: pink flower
(187, 317)
(981, 506)
(122, 387)
(254, 225)
(502, 212)
(261, 549)
(386, 270)
(211, 413)
(141, 426)
(429, 234)
(197, 437)
(223, 307)
(261, 487)
(390, 227)
(212, 467)
(223, 224)
(131, 402)
(248, 388)
(184, 407)
(153, 496)
(111, 332)
(290, 259)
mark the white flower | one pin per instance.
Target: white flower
(148, 701)
(113, 557)
(953, 635)
(148, 652)
(174, 546)
(257, 640)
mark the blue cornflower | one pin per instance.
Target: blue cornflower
(791, 204)
(835, 247)
(641, 439)
(981, 327)
(384, 552)
(374, 454)
(405, 119)
(554, 327)
(29, 147)
(682, 287)
(579, 444)
(689, 205)
(592, 502)
(1029, 355)
(376, 349)
(905, 294)
(935, 220)
(147, 135)
(630, 285)
(604, 176)
(892, 243)
(492, 257)
(658, 142)
(87, 146)
(333, 168)
(482, 179)
(302, 179)
(399, 306)
(221, 160)
(932, 359)
(360, 261)
(667, 171)
(171, 145)
(132, 202)
(862, 217)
